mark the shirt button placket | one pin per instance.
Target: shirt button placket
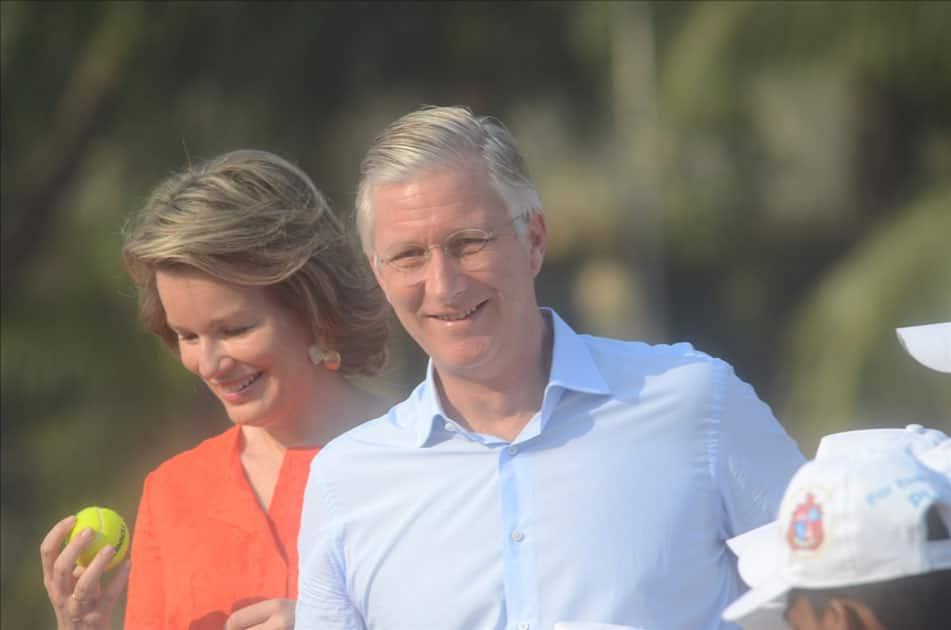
(520, 586)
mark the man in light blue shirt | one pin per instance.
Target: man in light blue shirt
(536, 475)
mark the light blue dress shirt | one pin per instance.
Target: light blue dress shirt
(612, 505)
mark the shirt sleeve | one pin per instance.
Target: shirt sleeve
(322, 599)
(754, 460)
(144, 605)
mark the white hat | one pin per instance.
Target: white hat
(758, 558)
(938, 458)
(930, 345)
(756, 555)
(847, 521)
(914, 438)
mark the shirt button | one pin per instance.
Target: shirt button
(518, 536)
(449, 427)
(523, 626)
(513, 450)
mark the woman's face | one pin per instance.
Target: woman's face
(245, 345)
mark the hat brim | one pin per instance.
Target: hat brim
(758, 556)
(930, 344)
(762, 607)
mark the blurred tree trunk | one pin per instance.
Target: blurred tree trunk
(636, 160)
(85, 109)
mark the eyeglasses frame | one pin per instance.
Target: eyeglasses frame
(490, 237)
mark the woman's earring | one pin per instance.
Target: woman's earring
(330, 359)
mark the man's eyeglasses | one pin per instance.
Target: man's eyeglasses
(468, 247)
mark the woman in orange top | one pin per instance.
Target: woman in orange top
(249, 277)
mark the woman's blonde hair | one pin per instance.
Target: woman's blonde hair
(252, 218)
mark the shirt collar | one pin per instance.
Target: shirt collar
(428, 409)
(572, 368)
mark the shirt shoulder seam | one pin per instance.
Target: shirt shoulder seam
(714, 432)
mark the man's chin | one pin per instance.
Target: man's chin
(465, 364)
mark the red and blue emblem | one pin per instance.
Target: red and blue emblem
(805, 528)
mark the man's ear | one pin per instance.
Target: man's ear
(537, 239)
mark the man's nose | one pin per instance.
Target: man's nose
(444, 275)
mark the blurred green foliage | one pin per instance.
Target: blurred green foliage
(767, 180)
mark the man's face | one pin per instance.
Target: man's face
(801, 616)
(467, 314)
(835, 616)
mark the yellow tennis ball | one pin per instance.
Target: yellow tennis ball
(110, 529)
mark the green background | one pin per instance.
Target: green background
(770, 181)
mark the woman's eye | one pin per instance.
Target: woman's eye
(234, 332)
(186, 337)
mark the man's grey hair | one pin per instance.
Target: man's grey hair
(433, 137)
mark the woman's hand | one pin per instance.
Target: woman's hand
(272, 614)
(79, 601)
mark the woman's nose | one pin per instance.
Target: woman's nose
(211, 359)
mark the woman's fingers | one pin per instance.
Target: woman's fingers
(58, 568)
(271, 614)
(117, 584)
(66, 561)
(52, 544)
(76, 592)
(87, 586)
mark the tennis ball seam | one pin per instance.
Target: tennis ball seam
(100, 520)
